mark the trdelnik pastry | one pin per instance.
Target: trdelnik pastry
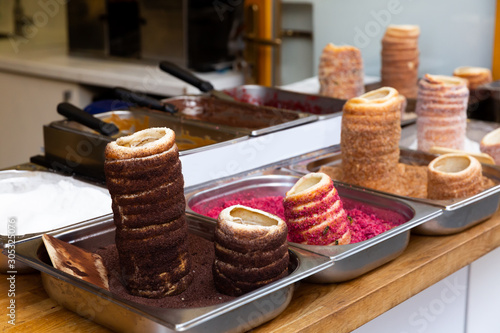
(475, 76)
(371, 130)
(144, 178)
(441, 112)
(251, 250)
(456, 175)
(400, 59)
(341, 72)
(490, 144)
(314, 212)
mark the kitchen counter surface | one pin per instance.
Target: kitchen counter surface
(52, 61)
(314, 307)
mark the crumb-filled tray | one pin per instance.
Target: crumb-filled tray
(458, 214)
(321, 106)
(351, 260)
(237, 116)
(36, 201)
(121, 314)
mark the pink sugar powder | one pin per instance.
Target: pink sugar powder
(273, 205)
(364, 221)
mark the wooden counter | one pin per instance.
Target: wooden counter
(314, 307)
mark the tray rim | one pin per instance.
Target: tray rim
(427, 213)
(239, 136)
(447, 205)
(26, 253)
(304, 118)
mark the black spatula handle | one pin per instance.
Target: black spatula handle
(76, 114)
(186, 76)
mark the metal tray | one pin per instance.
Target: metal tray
(350, 261)
(241, 314)
(51, 177)
(321, 106)
(72, 145)
(237, 116)
(458, 214)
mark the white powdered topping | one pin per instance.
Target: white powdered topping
(41, 202)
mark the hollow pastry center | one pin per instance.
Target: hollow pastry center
(452, 164)
(447, 80)
(377, 94)
(492, 137)
(470, 70)
(306, 184)
(246, 217)
(141, 140)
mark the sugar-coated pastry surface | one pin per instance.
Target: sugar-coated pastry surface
(400, 59)
(370, 134)
(251, 250)
(341, 72)
(441, 112)
(314, 212)
(144, 178)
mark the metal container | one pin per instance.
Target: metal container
(458, 214)
(70, 145)
(26, 179)
(237, 116)
(101, 306)
(322, 106)
(350, 261)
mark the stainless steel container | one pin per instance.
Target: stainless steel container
(103, 307)
(322, 106)
(458, 214)
(70, 145)
(350, 261)
(237, 116)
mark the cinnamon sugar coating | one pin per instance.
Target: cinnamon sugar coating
(341, 72)
(370, 139)
(144, 178)
(251, 250)
(400, 59)
(441, 112)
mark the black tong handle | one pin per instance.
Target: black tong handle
(186, 76)
(143, 100)
(76, 114)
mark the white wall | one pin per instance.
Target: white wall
(484, 294)
(439, 308)
(453, 32)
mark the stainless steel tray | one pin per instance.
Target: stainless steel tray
(237, 116)
(458, 214)
(350, 261)
(25, 173)
(321, 106)
(241, 314)
(69, 144)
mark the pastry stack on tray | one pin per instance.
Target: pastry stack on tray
(370, 137)
(251, 250)
(475, 76)
(453, 176)
(314, 212)
(144, 178)
(400, 59)
(441, 112)
(341, 72)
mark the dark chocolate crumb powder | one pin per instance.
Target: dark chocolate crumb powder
(200, 293)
